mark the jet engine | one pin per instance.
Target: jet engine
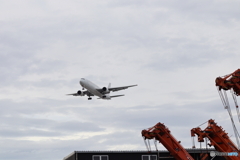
(80, 93)
(105, 90)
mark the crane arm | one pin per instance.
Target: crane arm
(218, 138)
(162, 134)
(230, 81)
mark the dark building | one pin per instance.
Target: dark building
(197, 154)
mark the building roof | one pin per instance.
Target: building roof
(190, 150)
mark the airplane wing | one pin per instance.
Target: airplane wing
(114, 89)
(84, 93)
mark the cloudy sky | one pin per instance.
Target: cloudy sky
(173, 50)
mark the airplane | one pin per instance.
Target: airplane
(93, 90)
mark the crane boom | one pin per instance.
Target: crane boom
(230, 81)
(218, 138)
(162, 134)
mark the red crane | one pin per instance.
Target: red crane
(218, 138)
(162, 134)
(230, 81)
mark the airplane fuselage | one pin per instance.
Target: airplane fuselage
(91, 87)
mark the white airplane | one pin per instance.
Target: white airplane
(94, 90)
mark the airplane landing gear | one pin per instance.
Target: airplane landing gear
(89, 98)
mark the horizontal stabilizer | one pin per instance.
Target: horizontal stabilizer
(117, 96)
(73, 94)
(114, 96)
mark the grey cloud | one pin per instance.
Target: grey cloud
(139, 116)
(23, 127)
(75, 126)
(173, 62)
(17, 133)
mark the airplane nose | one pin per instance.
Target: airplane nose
(81, 81)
